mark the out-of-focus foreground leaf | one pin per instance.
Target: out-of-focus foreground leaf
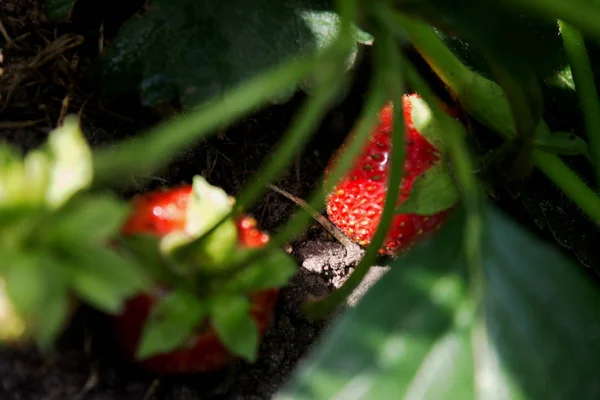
(415, 335)
(194, 50)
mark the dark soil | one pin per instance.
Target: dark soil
(87, 364)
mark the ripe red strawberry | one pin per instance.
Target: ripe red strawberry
(356, 203)
(160, 213)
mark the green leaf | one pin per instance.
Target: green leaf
(58, 10)
(432, 192)
(71, 157)
(104, 278)
(172, 322)
(90, 219)
(535, 335)
(36, 288)
(234, 325)
(25, 284)
(195, 50)
(12, 325)
(273, 270)
(146, 250)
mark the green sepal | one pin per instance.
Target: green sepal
(71, 162)
(102, 277)
(273, 270)
(172, 322)
(432, 192)
(146, 250)
(427, 125)
(207, 206)
(233, 323)
(89, 219)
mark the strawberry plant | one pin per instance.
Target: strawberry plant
(457, 143)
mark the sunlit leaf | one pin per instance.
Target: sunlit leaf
(535, 337)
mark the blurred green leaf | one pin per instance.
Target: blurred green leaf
(172, 322)
(273, 270)
(195, 50)
(36, 289)
(57, 10)
(231, 319)
(90, 219)
(102, 277)
(26, 284)
(536, 337)
(146, 250)
(432, 192)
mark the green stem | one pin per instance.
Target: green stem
(389, 55)
(146, 153)
(584, 15)
(569, 182)
(463, 173)
(585, 88)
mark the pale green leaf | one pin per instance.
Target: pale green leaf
(71, 168)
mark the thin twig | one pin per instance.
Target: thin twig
(20, 124)
(330, 227)
(152, 389)
(5, 34)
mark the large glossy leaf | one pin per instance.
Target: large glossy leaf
(194, 50)
(414, 335)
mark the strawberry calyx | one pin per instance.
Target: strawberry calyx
(168, 327)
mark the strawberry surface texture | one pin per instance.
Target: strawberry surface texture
(357, 200)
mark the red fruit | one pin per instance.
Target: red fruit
(160, 213)
(356, 203)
